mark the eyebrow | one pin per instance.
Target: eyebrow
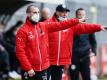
(36, 12)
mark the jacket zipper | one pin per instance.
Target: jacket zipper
(59, 42)
(39, 50)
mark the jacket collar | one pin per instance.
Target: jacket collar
(28, 22)
(54, 18)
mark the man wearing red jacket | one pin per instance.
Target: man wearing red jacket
(32, 43)
(60, 43)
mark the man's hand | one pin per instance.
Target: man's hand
(104, 28)
(92, 54)
(2, 48)
(31, 73)
(82, 20)
(66, 69)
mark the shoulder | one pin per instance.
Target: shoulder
(53, 18)
(23, 29)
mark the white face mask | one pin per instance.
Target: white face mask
(35, 18)
(61, 18)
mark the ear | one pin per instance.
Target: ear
(57, 13)
(28, 15)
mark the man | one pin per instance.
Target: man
(10, 39)
(60, 43)
(4, 60)
(45, 14)
(56, 45)
(32, 43)
(83, 45)
(6, 54)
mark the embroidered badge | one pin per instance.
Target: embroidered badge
(31, 36)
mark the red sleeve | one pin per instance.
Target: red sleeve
(56, 26)
(20, 50)
(86, 28)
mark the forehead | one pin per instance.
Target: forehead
(33, 9)
(81, 12)
(45, 10)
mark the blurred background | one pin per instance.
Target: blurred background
(13, 14)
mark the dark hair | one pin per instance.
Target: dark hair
(29, 8)
(79, 9)
(10, 31)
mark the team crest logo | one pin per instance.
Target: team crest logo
(31, 36)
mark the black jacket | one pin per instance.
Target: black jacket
(83, 43)
(10, 48)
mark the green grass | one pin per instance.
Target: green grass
(10, 79)
(105, 78)
(14, 79)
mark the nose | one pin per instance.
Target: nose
(65, 14)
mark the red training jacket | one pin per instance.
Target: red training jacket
(60, 43)
(32, 43)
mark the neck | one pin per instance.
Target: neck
(34, 23)
(56, 16)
